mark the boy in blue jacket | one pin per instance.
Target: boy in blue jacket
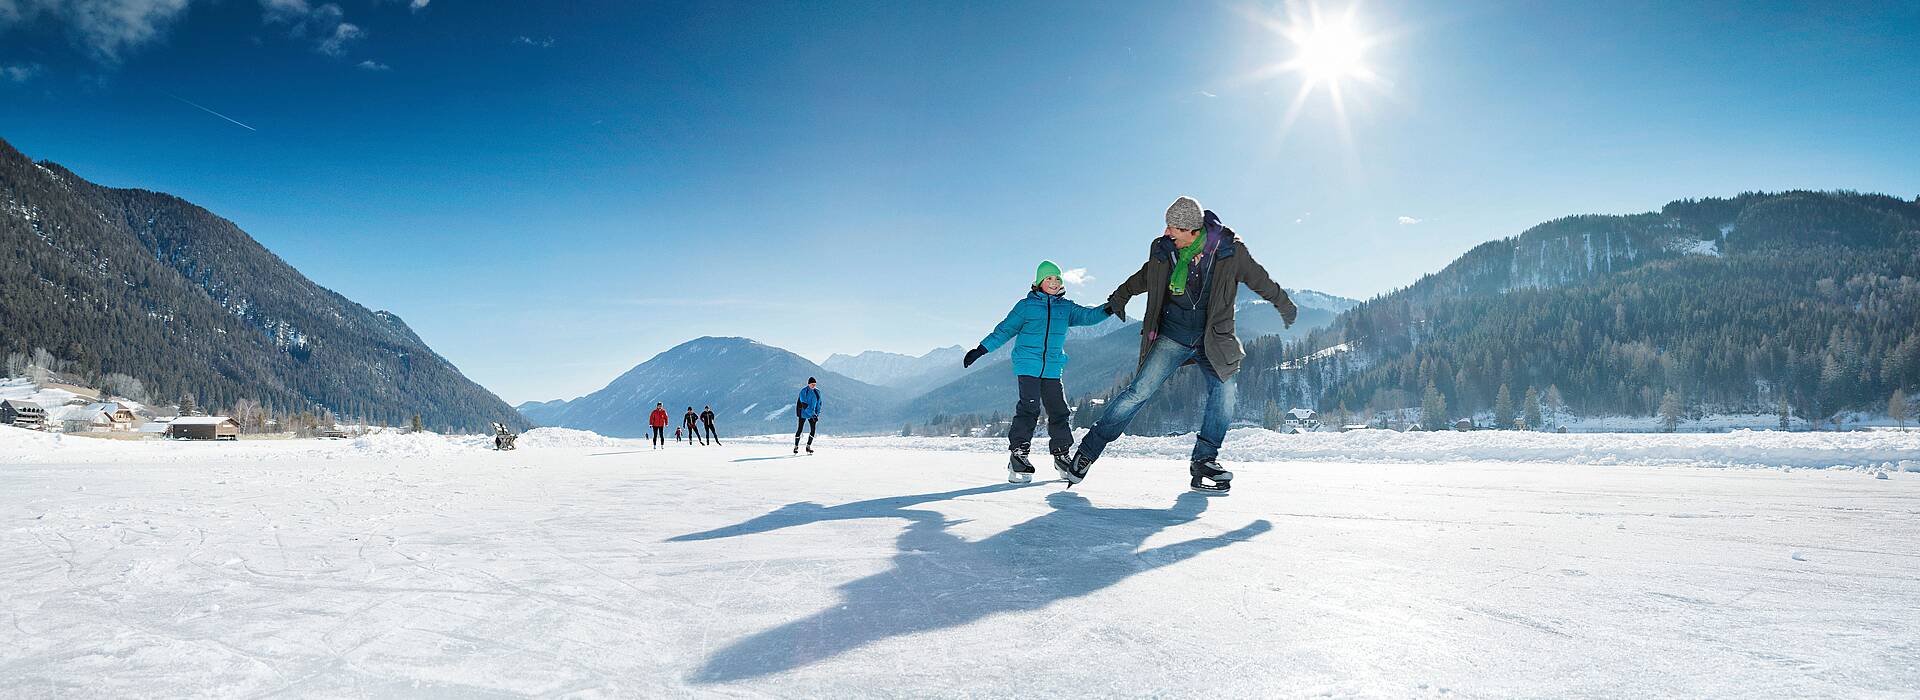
(1038, 326)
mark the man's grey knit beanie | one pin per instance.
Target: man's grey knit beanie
(1185, 214)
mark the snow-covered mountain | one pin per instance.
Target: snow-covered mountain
(151, 286)
(899, 371)
(751, 387)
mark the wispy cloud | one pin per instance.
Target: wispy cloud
(541, 43)
(325, 24)
(1204, 93)
(372, 65)
(343, 33)
(108, 29)
(209, 111)
(1408, 221)
(19, 73)
(417, 5)
(1076, 276)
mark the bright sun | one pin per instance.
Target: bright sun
(1328, 50)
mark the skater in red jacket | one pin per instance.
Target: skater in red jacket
(658, 419)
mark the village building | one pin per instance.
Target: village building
(119, 417)
(203, 428)
(81, 418)
(1302, 420)
(23, 414)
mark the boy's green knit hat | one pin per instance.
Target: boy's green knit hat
(1047, 269)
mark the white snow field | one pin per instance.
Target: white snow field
(583, 566)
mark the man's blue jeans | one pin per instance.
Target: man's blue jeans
(1165, 357)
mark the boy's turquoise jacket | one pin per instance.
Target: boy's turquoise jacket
(1038, 326)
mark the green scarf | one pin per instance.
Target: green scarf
(1177, 282)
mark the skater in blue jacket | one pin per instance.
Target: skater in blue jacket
(1037, 325)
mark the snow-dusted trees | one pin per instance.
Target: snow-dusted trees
(249, 415)
(1531, 409)
(1671, 409)
(1897, 408)
(123, 386)
(1433, 409)
(1503, 408)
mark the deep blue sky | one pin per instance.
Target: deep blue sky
(550, 193)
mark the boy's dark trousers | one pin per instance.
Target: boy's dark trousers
(1035, 394)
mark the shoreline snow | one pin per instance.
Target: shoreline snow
(1881, 452)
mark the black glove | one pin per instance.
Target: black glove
(1118, 311)
(976, 353)
(1288, 313)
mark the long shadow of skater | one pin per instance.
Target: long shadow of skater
(940, 580)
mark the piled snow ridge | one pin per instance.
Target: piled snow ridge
(397, 444)
(1741, 448)
(560, 438)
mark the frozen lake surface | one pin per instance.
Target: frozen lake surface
(582, 566)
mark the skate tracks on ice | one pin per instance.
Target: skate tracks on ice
(162, 569)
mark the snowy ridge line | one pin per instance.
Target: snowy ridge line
(1870, 451)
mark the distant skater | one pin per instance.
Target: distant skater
(808, 410)
(658, 419)
(693, 426)
(706, 418)
(1037, 327)
(676, 434)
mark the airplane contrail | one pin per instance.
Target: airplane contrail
(209, 111)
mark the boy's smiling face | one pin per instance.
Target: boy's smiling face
(1052, 285)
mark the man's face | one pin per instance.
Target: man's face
(1181, 237)
(1052, 285)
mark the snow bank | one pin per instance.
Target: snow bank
(561, 438)
(1742, 448)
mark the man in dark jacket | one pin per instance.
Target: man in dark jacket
(706, 418)
(1192, 274)
(693, 426)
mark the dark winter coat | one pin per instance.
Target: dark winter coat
(1037, 325)
(1230, 266)
(707, 417)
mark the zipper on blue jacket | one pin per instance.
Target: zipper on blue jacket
(1046, 339)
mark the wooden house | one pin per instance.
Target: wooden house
(23, 414)
(203, 428)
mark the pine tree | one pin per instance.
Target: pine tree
(906, 430)
(1503, 408)
(416, 424)
(1531, 406)
(1433, 408)
(1270, 419)
(1670, 410)
(1897, 407)
(1785, 413)
(186, 405)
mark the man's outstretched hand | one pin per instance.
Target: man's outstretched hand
(1288, 313)
(976, 353)
(1118, 311)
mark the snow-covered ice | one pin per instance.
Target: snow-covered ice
(582, 565)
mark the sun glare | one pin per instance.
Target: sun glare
(1326, 51)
